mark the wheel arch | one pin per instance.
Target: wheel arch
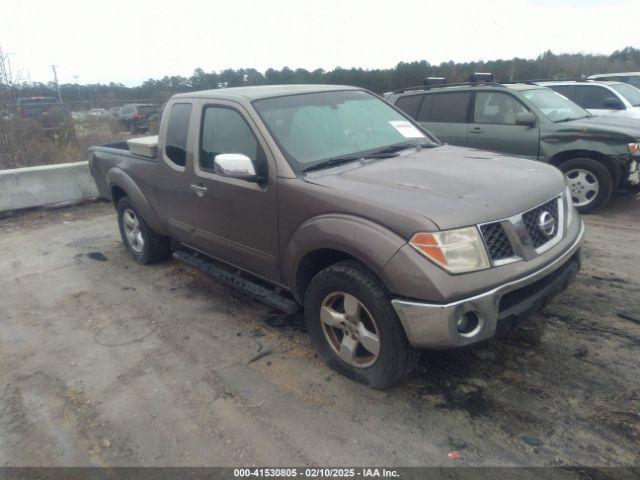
(613, 167)
(121, 184)
(327, 239)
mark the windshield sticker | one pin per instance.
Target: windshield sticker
(406, 129)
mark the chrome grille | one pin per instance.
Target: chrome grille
(497, 241)
(530, 219)
(522, 236)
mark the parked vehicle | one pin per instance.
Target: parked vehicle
(98, 112)
(135, 116)
(600, 98)
(391, 240)
(598, 155)
(48, 112)
(632, 78)
(115, 111)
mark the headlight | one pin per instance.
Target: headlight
(634, 148)
(567, 194)
(457, 251)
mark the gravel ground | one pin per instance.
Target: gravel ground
(106, 362)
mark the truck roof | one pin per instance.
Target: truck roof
(261, 91)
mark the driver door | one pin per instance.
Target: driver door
(494, 126)
(235, 220)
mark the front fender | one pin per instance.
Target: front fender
(117, 177)
(370, 243)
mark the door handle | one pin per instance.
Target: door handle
(477, 130)
(199, 189)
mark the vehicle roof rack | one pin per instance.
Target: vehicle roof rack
(447, 85)
(434, 81)
(475, 79)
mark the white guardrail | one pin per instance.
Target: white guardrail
(46, 185)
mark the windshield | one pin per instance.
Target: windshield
(554, 106)
(634, 80)
(632, 94)
(315, 127)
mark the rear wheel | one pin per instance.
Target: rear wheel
(590, 183)
(143, 244)
(355, 328)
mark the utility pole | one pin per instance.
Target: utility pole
(55, 78)
(5, 68)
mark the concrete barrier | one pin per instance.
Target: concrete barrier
(46, 185)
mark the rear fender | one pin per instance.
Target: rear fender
(116, 177)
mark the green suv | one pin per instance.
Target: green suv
(598, 155)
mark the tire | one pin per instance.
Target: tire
(583, 175)
(395, 359)
(147, 246)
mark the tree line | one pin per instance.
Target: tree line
(404, 74)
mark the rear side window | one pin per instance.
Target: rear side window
(177, 131)
(445, 107)
(564, 90)
(410, 104)
(591, 96)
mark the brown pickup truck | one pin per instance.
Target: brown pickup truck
(329, 198)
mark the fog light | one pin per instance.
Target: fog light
(468, 323)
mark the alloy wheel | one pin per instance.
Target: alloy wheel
(132, 230)
(350, 329)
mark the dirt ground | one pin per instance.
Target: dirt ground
(106, 362)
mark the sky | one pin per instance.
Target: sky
(131, 41)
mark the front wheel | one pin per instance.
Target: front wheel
(355, 328)
(590, 183)
(143, 244)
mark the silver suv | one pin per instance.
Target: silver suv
(604, 98)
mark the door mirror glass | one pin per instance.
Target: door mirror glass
(235, 165)
(613, 103)
(526, 118)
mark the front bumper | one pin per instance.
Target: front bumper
(434, 326)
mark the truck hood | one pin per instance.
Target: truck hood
(450, 186)
(603, 128)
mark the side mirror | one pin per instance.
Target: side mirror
(235, 165)
(613, 103)
(526, 118)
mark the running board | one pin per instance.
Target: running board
(273, 298)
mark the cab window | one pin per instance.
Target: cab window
(497, 108)
(224, 130)
(177, 132)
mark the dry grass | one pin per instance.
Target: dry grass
(25, 143)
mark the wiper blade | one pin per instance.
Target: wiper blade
(400, 146)
(332, 162)
(385, 152)
(572, 118)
